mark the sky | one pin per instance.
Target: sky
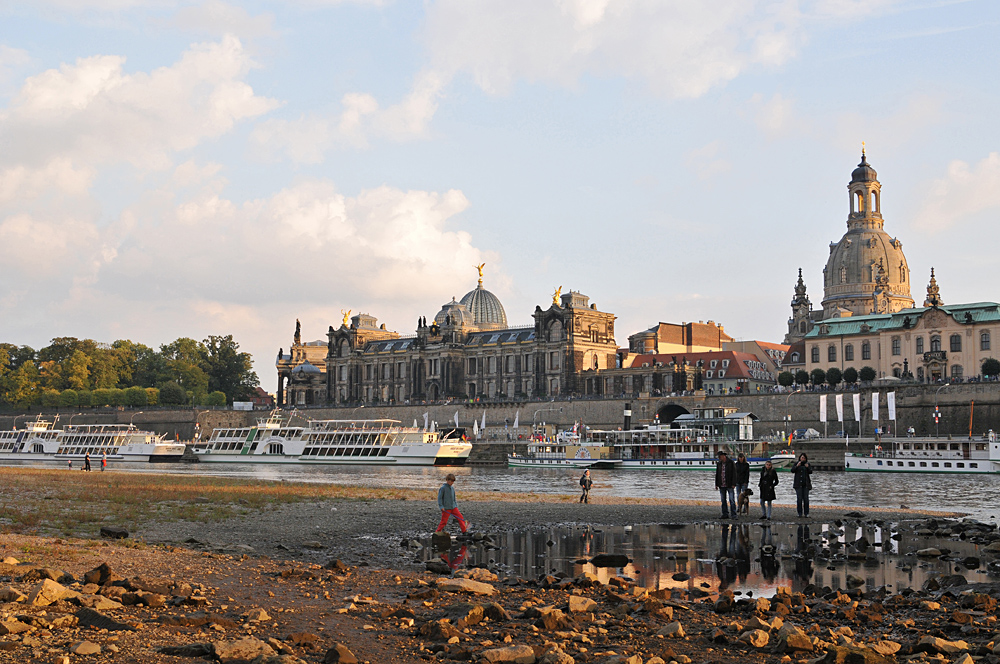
(175, 169)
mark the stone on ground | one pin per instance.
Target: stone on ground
(85, 648)
(339, 654)
(672, 631)
(521, 654)
(242, 650)
(465, 586)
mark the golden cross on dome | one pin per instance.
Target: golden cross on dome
(862, 147)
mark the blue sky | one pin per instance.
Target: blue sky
(175, 168)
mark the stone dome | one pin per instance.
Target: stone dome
(456, 313)
(306, 368)
(485, 308)
(864, 172)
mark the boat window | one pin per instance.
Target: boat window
(911, 464)
(918, 446)
(878, 463)
(943, 446)
(960, 465)
(947, 465)
(973, 465)
(980, 447)
(906, 446)
(923, 464)
(935, 464)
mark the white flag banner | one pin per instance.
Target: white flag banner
(425, 421)
(857, 407)
(875, 396)
(840, 407)
(483, 425)
(822, 408)
(475, 429)
(414, 423)
(517, 418)
(890, 398)
(456, 419)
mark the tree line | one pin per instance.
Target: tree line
(850, 376)
(83, 372)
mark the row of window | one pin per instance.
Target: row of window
(955, 344)
(933, 464)
(346, 451)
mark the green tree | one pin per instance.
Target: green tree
(138, 363)
(229, 370)
(818, 376)
(216, 398)
(69, 398)
(850, 375)
(801, 377)
(50, 398)
(136, 397)
(75, 370)
(172, 394)
(152, 396)
(22, 387)
(117, 396)
(867, 374)
(185, 361)
(785, 378)
(834, 376)
(85, 398)
(18, 355)
(101, 397)
(991, 367)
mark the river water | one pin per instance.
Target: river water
(975, 495)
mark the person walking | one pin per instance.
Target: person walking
(104, 462)
(768, 480)
(86, 462)
(742, 474)
(586, 483)
(448, 505)
(802, 484)
(725, 482)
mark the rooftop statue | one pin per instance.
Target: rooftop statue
(347, 317)
(555, 296)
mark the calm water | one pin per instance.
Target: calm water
(972, 494)
(715, 556)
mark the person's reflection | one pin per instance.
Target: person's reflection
(742, 543)
(803, 556)
(454, 559)
(723, 566)
(768, 563)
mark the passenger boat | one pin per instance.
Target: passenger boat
(40, 441)
(653, 447)
(928, 455)
(332, 442)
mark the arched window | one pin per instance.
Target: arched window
(849, 353)
(795, 358)
(896, 346)
(920, 345)
(984, 341)
(875, 204)
(956, 343)
(860, 198)
(902, 272)
(935, 343)
(815, 354)
(866, 351)
(831, 354)
(956, 371)
(843, 274)
(896, 372)
(802, 327)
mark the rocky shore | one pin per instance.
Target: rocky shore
(344, 580)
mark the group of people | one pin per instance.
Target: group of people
(732, 479)
(86, 463)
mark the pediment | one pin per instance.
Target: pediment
(934, 318)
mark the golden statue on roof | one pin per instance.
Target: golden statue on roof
(480, 268)
(347, 317)
(555, 296)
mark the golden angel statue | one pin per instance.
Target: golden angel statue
(480, 268)
(347, 317)
(555, 295)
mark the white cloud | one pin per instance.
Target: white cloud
(93, 112)
(776, 116)
(963, 192)
(20, 184)
(360, 120)
(10, 59)
(707, 161)
(220, 18)
(677, 47)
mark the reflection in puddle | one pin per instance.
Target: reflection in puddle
(710, 557)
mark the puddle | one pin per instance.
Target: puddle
(711, 557)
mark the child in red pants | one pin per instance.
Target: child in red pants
(448, 504)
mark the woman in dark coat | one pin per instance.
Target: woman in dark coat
(802, 484)
(768, 480)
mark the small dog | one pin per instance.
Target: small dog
(743, 503)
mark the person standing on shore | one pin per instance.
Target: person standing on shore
(725, 482)
(104, 462)
(768, 480)
(742, 474)
(86, 462)
(448, 504)
(802, 484)
(586, 483)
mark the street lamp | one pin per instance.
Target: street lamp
(540, 410)
(937, 417)
(72, 416)
(129, 422)
(788, 416)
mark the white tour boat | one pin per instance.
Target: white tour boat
(355, 442)
(928, 455)
(656, 447)
(39, 441)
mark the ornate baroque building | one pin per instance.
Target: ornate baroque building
(466, 351)
(866, 272)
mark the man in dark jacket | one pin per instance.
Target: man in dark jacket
(742, 474)
(586, 483)
(725, 482)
